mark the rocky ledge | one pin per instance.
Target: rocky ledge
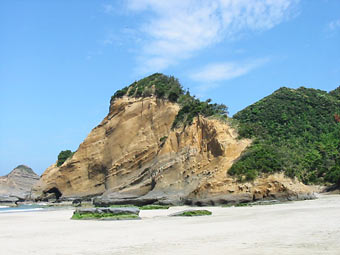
(106, 213)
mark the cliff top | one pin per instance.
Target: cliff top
(169, 88)
(157, 84)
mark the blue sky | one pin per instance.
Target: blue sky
(60, 61)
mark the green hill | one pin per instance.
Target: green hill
(294, 130)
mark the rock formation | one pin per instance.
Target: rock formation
(17, 184)
(134, 156)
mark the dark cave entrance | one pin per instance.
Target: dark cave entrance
(55, 191)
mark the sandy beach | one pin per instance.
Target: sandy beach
(304, 227)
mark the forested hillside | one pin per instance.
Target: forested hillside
(294, 130)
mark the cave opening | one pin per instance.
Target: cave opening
(56, 192)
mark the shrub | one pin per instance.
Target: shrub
(63, 156)
(163, 139)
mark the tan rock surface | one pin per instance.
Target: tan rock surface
(111, 155)
(133, 154)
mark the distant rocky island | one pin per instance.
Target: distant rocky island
(159, 144)
(16, 186)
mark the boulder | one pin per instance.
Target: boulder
(76, 202)
(113, 211)
(192, 212)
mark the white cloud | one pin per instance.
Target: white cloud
(177, 29)
(217, 72)
(91, 54)
(334, 25)
(108, 8)
(108, 41)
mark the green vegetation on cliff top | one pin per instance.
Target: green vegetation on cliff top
(63, 156)
(169, 88)
(295, 131)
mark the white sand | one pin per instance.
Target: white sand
(306, 227)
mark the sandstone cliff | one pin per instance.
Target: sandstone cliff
(134, 156)
(17, 184)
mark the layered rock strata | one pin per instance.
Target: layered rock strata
(134, 156)
(17, 184)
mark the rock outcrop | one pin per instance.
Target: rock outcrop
(134, 156)
(17, 184)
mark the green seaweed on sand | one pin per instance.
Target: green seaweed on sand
(154, 207)
(191, 213)
(99, 216)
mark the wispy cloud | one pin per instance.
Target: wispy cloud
(108, 40)
(108, 8)
(92, 54)
(178, 29)
(334, 25)
(223, 71)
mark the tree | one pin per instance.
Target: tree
(63, 156)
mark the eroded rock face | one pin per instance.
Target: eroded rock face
(17, 184)
(133, 156)
(114, 153)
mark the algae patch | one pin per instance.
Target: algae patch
(103, 216)
(191, 213)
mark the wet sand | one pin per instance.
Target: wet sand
(304, 227)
